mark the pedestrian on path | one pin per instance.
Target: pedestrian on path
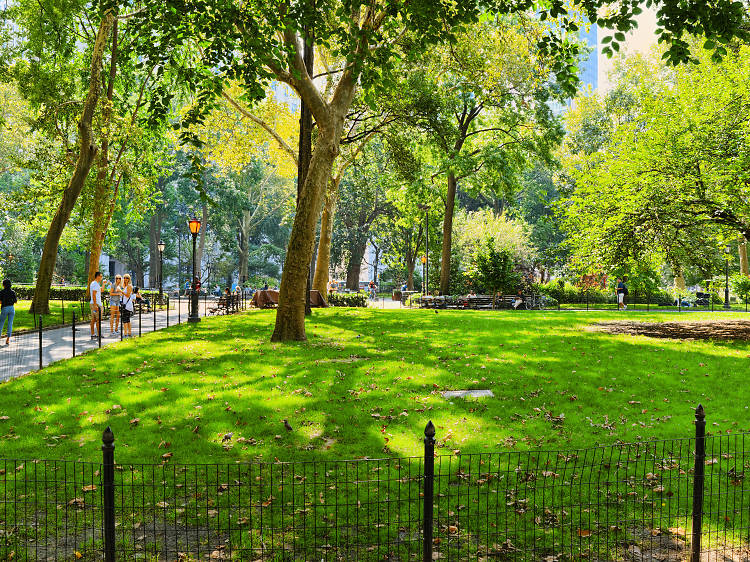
(127, 305)
(95, 302)
(7, 309)
(622, 292)
(114, 306)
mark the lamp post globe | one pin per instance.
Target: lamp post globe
(195, 227)
(727, 253)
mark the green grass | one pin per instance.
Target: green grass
(24, 320)
(366, 383)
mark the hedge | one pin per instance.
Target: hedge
(26, 292)
(347, 299)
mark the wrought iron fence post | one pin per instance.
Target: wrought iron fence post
(62, 301)
(121, 325)
(429, 476)
(587, 300)
(679, 302)
(698, 479)
(40, 341)
(205, 305)
(179, 321)
(167, 311)
(99, 327)
(648, 301)
(635, 299)
(73, 326)
(140, 323)
(108, 493)
(155, 305)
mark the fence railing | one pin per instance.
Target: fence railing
(634, 501)
(33, 349)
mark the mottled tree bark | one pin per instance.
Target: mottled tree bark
(323, 262)
(742, 247)
(87, 153)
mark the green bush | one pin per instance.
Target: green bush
(26, 292)
(347, 299)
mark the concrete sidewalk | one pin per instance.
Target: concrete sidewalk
(22, 355)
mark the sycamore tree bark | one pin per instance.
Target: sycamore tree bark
(87, 151)
(742, 247)
(330, 117)
(323, 262)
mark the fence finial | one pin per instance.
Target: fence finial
(108, 437)
(429, 430)
(699, 413)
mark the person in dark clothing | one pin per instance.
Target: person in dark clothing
(622, 292)
(8, 300)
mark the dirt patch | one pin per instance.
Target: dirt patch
(712, 330)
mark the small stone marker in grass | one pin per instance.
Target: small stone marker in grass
(468, 394)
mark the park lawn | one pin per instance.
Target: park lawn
(366, 383)
(24, 320)
(364, 386)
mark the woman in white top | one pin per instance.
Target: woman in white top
(127, 301)
(114, 305)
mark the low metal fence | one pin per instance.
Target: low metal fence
(34, 349)
(677, 499)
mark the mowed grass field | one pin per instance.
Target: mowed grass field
(366, 383)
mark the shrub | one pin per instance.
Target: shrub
(347, 299)
(26, 292)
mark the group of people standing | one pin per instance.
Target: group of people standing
(122, 296)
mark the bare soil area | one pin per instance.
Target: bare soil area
(711, 330)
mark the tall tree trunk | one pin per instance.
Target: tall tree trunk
(354, 267)
(244, 245)
(445, 258)
(290, 315)
(101, 205)
(87, 153)
(154, 235)
(742, 247)
(201, 241)
(679, 282)
(323, 263)
(410, 265)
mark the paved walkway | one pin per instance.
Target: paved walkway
(22, 355)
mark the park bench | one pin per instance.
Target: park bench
(226, 303)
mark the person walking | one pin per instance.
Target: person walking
(115, 296)
(95, 302)
(126, 299)
(622, 291)
(8, 301)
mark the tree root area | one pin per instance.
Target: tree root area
(712, 330)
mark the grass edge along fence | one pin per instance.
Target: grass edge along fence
(30, 350)
(641, 501)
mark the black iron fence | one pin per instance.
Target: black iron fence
(657, 500)
(30, 350)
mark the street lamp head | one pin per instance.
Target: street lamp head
(423, 206)
(727, 249)
(195, 226)
(161, 246)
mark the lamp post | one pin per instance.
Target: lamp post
(426, 209)
(727, 253)
(424, 261)
(161, 246)
(179, 262)
(195, 228)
